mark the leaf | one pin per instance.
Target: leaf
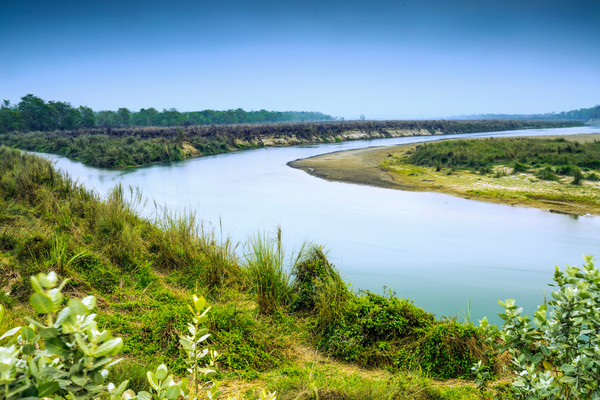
(36, 285)
(44, 281)
(547, 365)
(27, 333)
(79, 380)
(57, 347)
(46, 389)
(161, 372)
(77, 307)
(28, 349)
(110, 347)
(144, 396)
(152, 380)
(568, 379)
(199, 303)
(41, 303)
(49, 333)
(11, 332)
(1, 313)
(172, 392)
(89, 302)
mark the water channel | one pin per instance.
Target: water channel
(440, 251)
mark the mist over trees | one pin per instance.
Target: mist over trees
(583, 114)
(34, 114)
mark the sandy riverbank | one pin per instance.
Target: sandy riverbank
(380, 167)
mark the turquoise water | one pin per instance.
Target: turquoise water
(437, 250)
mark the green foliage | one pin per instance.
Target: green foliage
(547, 174)
(75, 358)
(557, 357)
(519, 152)
(311, 273)
(374, 330)
(267, 278)
(577, 176)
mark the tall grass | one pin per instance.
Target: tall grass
(266, 274)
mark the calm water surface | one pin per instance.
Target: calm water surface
(439, 251)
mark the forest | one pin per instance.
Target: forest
(34, 114)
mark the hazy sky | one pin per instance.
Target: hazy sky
(381, 58)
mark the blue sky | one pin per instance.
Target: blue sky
(383, 59)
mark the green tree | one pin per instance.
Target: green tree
(87, 118)
(124, 116)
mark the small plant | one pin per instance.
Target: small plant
(65, 355)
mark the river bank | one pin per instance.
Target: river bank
(118, 148)
(382, 167)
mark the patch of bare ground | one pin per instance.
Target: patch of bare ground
(385, 167)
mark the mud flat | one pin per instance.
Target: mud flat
(384, 167)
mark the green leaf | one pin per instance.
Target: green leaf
(36, 285)
(28, 349)
(27, 333)
(44, 281)
(567, 379)
(172, 392)
(89, 302)
(152, 380)
(110, 347)
(1, 313)
(57, 347)
(11, 332)
(199, 302)
(144, 396)
(49, 333)
(79, 380)
(77, 307)
(161, 372)
(47, 389)
(41, 303)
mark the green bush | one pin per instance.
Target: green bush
(557, 357)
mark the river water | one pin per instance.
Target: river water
(440, 251)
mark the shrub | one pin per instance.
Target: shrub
(577, 176)
(592, 177)
(557, 357)
(76, 358)
(547, 174)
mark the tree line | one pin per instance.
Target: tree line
(34, 114)
(582, 114)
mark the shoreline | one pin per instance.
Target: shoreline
(371, 167)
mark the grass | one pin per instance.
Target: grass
(506, 170)
(143, 272)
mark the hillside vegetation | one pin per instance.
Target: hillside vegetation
(128, 146)
(272, 328)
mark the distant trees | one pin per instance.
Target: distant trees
(582, 114)
(34, 114)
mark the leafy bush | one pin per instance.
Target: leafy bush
(384, 331)
(75, 358)
(557, 357)
(547, 174)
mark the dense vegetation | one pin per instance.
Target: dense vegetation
(582, 114)
(34, 114)
(520, 153)
(122, 147)
(142, 272)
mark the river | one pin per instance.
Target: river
(440, 251)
